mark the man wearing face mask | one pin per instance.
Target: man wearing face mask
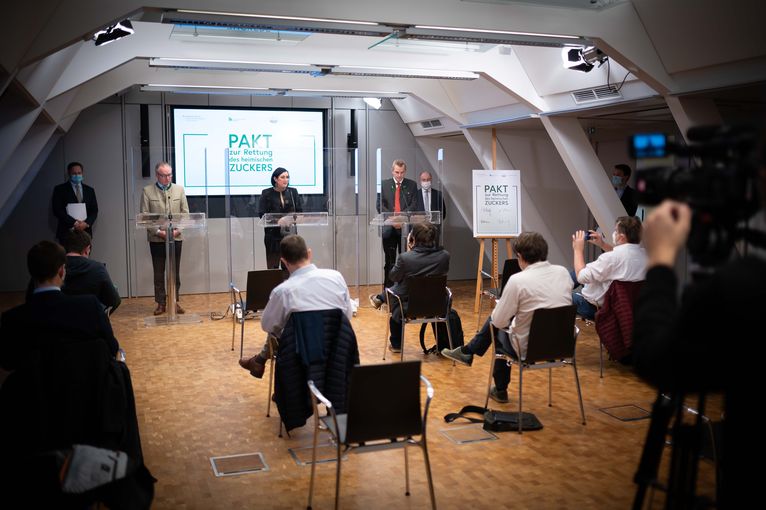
(624, 260)
(620, 178)
(429, 199)
(164, 197)
(74, 192)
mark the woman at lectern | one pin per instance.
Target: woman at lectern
(280, 198)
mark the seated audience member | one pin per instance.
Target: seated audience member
(422, 258)
(308, 288)
(624, 260)
(539, 284)
(49, 314)
(86, 276)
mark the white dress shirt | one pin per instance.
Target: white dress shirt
(308, 288)
(626, 262)
(539, 285)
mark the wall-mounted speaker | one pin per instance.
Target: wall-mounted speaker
(144, 137)
(352, 143)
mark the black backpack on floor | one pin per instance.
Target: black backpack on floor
(456, 330)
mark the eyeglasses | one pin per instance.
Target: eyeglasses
(164, 175)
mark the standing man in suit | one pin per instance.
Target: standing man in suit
(74, 192)
(628, 197)
(429, 199)
(396, 195)
(49, 314)
(164, 197)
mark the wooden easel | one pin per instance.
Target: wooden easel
(495, 264)
(494, 240)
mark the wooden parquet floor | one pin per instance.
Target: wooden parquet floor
(195, 402)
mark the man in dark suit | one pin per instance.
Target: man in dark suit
(50, 315)
(74, 192)
(86, 276)
(396, 194)
(628, 195)
(424, 258)
(429, 199)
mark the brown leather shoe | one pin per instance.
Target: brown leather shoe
(160, 309)
(256, 365)
(179, 309)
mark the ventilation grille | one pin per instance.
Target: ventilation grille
(596, 94)
(431, 124)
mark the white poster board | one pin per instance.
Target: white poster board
(496, 203)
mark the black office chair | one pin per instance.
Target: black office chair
(383, 413)
(259, 287)
(429, 300)
(552, 340)
(510, 267)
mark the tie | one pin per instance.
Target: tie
(78, 193)
(427, 200)
(397, 198)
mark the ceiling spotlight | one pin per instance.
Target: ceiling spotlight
(583, 59)
(113, 32)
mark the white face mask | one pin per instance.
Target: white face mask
(426, 185)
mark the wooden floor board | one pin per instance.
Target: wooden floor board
(195, 402)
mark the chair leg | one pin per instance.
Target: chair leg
(337, 474)
(579, 392)
(233, 329)
(401, 342)
(550, 387)
(521, 372)
(406, 472)
(601, 358)
(428, 472)
(313, 460)
(385, 338)
(449, 339)
(271, 385)
(242, 337)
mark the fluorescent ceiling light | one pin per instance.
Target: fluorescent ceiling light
(269, 16)
(207, 89)
(357, 93)
(397, 72)
(197, 32)
(500, 32)
(373, 102)
(235, 65)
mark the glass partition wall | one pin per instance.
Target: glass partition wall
(233, 240)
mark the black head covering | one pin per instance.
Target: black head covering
(276, 173)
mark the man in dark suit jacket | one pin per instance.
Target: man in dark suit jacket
(435, 200)
(71, 192)
(49, 315)
(424, 258)
(86, 276)
(392, 235)
(628, 196)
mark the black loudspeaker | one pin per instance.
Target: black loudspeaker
(144, 136)
(352, 142)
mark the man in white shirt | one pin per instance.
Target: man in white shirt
(308, 288)
(539, 284)
(625, 260)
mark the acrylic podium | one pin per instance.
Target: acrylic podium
(184, 222)
(405, 219)
(290, 221)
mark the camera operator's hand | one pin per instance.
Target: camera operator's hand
(665, 232)
(578, 247)
(597, 239)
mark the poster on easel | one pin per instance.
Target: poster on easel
(496, 203)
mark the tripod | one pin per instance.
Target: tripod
(686, 445)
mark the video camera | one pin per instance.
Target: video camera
(719, 184)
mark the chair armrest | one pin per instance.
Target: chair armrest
(388, 300)
(120, 355)
(429, 396)
(318, 395)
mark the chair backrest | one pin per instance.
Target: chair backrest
(427, 296)
(552, 334)
(384, 402)
(510, 268)
(259, 287)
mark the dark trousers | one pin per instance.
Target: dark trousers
(271, 243)
(480, 343)
(392, 246)
(158, 264)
